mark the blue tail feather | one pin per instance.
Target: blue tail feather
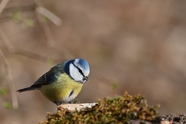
(26, 89)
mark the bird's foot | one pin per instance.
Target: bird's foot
(59, 103)
(74, 101)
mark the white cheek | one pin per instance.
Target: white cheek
(86, 72)
(74, 73)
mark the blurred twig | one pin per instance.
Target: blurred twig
(7, 12)
(47, 31)
(9, 76)
(51, 16)
(6, 41)
(32, 55)
(10, 47)
(3, 5)
(10, 81)
(47, 13)
(40, 11)
(50, 38)
(22, 8)
(3, 83)
(14, 50)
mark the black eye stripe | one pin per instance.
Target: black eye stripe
(80, 71)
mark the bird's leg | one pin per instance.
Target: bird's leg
(74, 101)
(58, 103)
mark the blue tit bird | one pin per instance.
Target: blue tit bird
(63, 82)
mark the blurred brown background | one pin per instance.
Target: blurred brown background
(134, 46)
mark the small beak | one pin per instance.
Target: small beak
(85, 78)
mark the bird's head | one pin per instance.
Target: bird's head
(78, 69)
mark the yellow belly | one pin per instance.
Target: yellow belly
(61, 89)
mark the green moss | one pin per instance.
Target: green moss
(108, 110)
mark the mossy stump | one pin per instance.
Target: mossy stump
(119, 110)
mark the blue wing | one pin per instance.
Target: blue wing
(48, 78)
